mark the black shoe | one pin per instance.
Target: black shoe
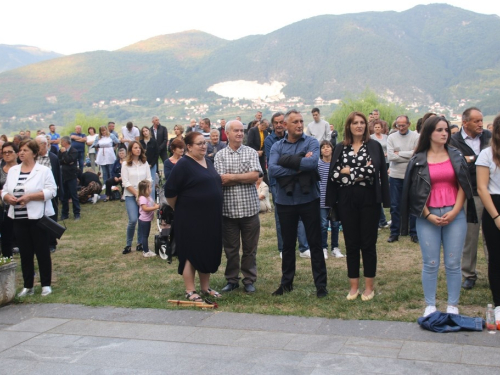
(414, 239)
(393, 238)
(249, 288)
(321, 292)
(64, 217)
(77, 217)
(282, 289)
(230, 287)
(139, 247)
(52, 249)
(127, 250)
(468, 283)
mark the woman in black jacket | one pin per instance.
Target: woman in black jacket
(152, 153)
(437, 182)
(357, 185)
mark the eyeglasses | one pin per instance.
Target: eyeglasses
(201, 144)
(8, 152)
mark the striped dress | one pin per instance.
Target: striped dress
(323, 170)
(20, 211)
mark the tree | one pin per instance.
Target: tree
(85, 121)
(364, 103)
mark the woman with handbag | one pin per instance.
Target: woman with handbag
(28, 190)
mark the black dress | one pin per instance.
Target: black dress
(198, 214)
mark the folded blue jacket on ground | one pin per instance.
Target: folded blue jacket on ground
(444, 322)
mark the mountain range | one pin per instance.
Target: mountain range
(12, 57)
(430, 53)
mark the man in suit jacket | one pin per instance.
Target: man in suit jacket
(256, 137)
(160, 134)
(68, 158)
(50, 160)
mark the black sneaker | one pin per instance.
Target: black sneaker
(283, 289)
(127, 250)
(321, 292)
(139, 247)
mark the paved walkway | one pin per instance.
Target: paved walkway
(72, 339)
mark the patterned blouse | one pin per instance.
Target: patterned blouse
(360, 173)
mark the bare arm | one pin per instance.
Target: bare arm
(236, 179)
(483, 177)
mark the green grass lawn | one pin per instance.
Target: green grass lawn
(89, 269)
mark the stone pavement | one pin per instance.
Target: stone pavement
(72, 339)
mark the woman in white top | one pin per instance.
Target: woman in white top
(105, 152)
(129, 133)
(28, 190)
(135, 168)
(90, 142)
(488, 188)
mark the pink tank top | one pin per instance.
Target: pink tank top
(444, 187)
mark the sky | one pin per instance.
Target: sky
(67, 28)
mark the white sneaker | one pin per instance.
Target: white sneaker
(389, 222)
(281, 255)
(46, 290)
(336, 253)
(26, 292)
(325, 253)
(452, 310)
(95, 198)
(429, 310)
(149, 254)
(306, 254)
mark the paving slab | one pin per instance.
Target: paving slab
(37, 324)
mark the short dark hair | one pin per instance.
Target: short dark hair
(32, 145)
(206, 120)
(189, 139)
(466, 113)
(111, 122)
(314, 110)
(277, 114)
(177, 143)
(11, 144)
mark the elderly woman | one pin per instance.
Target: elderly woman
(215, 144)
(10, 151)
(105, 152)
(28, 190)
(178, 131)
(357, 186)
(194, 190)
(135, 168)
(436, 184)
(149, 144)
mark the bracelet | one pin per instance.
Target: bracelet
(496, 217)
(430, 213)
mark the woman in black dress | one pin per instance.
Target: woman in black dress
(194, 190)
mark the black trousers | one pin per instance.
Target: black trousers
(492, 237)
(111, 182)
(359, 213)
(289, 219)
(33, 241)
(7, 234)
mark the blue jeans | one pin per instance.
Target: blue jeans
(452, 236)
(106, 172)
(324, 229)
(301, 232)
(133, 216)
(81, 156)
(145, 228)
(153, 184)
(396, 190)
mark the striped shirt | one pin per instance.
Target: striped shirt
(323, 170)
(20, 211)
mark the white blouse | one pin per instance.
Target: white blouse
(132, 175)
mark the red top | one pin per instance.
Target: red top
(444, 185)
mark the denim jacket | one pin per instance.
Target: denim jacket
(443, 322)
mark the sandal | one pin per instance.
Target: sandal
(193, 296)
(212, 293)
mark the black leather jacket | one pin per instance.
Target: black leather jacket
(417, 186)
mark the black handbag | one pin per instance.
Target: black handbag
(51, 226)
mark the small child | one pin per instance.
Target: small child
(147, 208)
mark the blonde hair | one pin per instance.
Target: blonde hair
(142, 189)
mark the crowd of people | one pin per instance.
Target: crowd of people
(439, 181)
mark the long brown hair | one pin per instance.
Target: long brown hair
(142, 156)
(428, 127)
(495, 141)
(348, 139)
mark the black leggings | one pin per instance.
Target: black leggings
(492, 237)
(359, 214)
